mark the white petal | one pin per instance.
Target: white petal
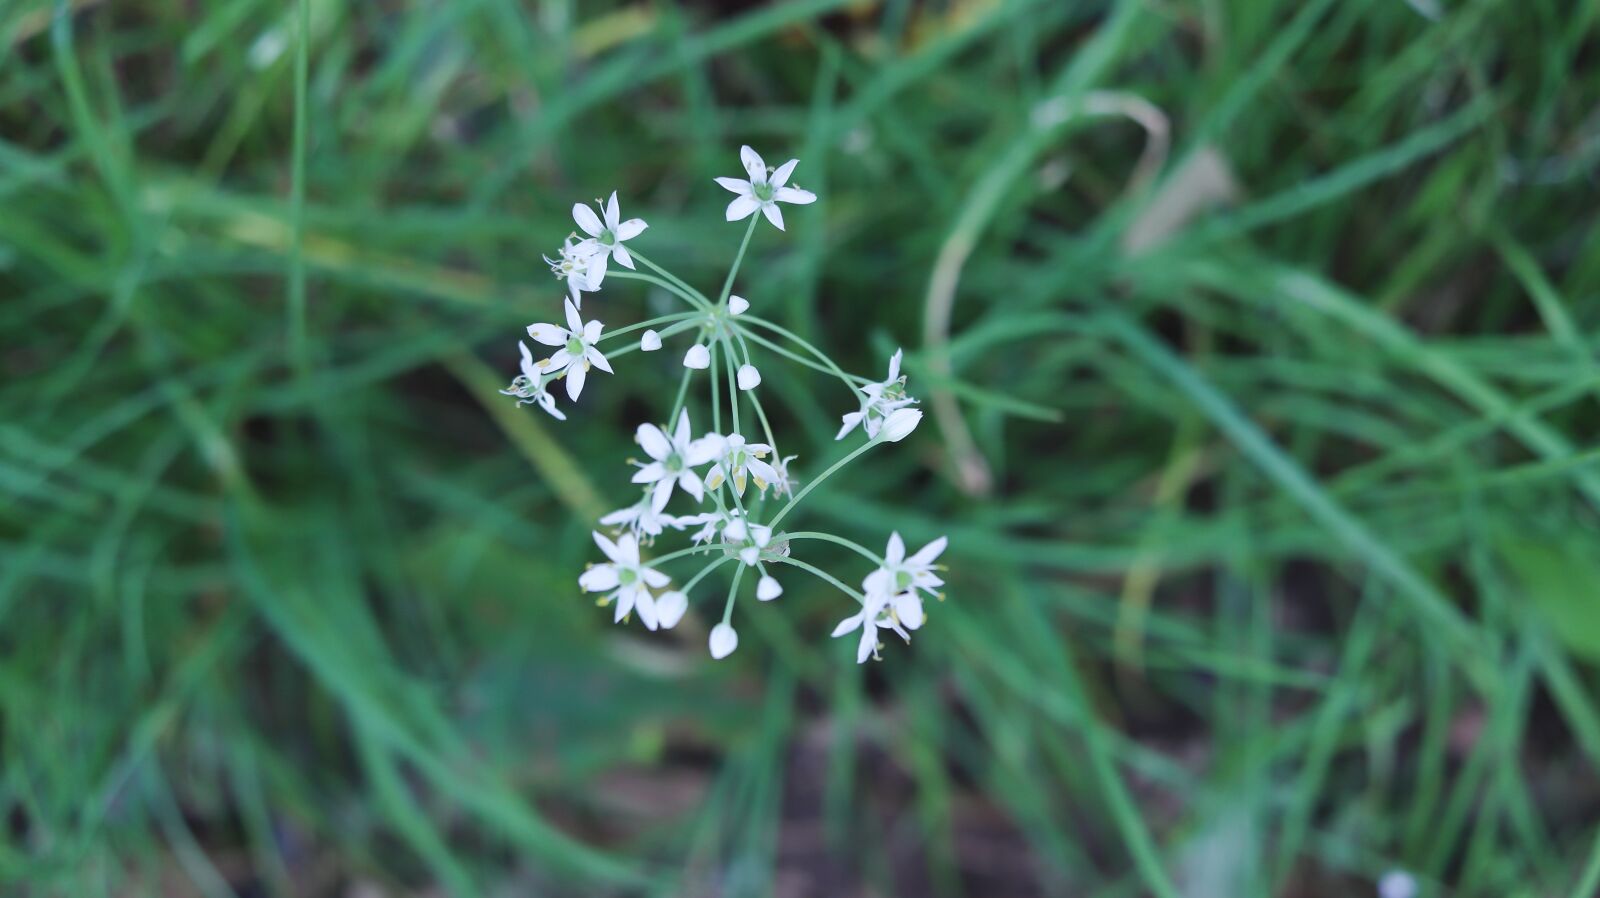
(768, 589)
(598, 359)
(654, 443)
(698, 357)
(749, 377)
(780, 176)
(654, 578)
(794, 196)
(896, 552)
(628, 550)
(650, 342)
(613, 214)
(620, 253)
(528, 370)
(900, 424)
(574, 321)
(558, 360)
(624, 604)
(690, 481)
(741, 208)
(670, 607)
(702, 450)
(846, 625)
(575, 378)
(894, 366)
(607, 546)
(773, 214)
(630, 229)
(548, 334)
(650, 473)
(682, 433)
(761, 469)
(661, 493)
(586, 219)
(600, 578)
(548, 403)
(737, 185)
(753, 164)
(646, 605)
(738, 305)
(597, 272)
(868, 643)
(723, 641)
(926, 555)
(850, 422)
(908, 608)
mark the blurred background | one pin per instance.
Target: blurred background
(1258, 346)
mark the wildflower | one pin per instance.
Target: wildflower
(1397, 884)
(900, 424)
(784, 484)
(577, 266)
(650, 342)
(609, 234)
(628, 580)
(749, 377)
(643, 520)
(764, 190)
(724, 639)
(674, 459)
(529, 387)
(768, 588)
(698, 357)
(865, 620)
(899, 579)
(880, 400)
(577, 350)
(738, 305)
(740, 459)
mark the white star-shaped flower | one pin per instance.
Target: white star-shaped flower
(577, 350)
(625, 579)
(609, 234)
(581, 265)
(899, 579)
(674, 459)
(529, 387)
(739, 460)
(764, 189)
(871, 616)
(878, 402)
(643, 520)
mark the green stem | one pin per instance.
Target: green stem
(691, 550)
(695, 580)
(779, 329)
(690, 296)
(825, 576)
(820, 477)
(683, 385)
(829, 537)
(727, 284)
(733, 590)
(679, 316)
(850, 383)
(755, 401)
(682, 284)
(733, 382)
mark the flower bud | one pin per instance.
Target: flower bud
(650, 342)
(900, 424)
(768, 589)
(738, 305)
(723, 641)
(749, 377)
(698, 357)
(670, 607)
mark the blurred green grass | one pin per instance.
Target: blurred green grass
(1272, 542)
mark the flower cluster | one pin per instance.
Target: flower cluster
(741, 486)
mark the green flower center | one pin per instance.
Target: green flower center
(575, 346)
(674, 462)
(902, 581)
(607, 237)
(763, 192)
(627, 577)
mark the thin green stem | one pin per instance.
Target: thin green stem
(733, 590)
(691, 297)
(689, 550)
(680, 282)
(825, 576)
(820, 477)
(755, 401)
(733, 382)
(829, 537)
(664, 319)
(683, 385)
(799, 341)
(695, 580)
(850, 383)
(716, 393)
(727, 283)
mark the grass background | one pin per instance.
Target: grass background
(1267, 451)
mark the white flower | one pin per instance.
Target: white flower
(577, 350)
(738, 305)
(698, 357)
(867, 621)
(608, 235)
(749, 377)
(670, 607)
(724, 639)
(768, 588)
(581, 265)
(628, 580)
(529, 387)
(900, 424)
(650, 342)
(764, 190)
(736, 530)
(879, 401)
(674, 459)
(739, 459)
(643, 519)
(899, 579)
(784, 485)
